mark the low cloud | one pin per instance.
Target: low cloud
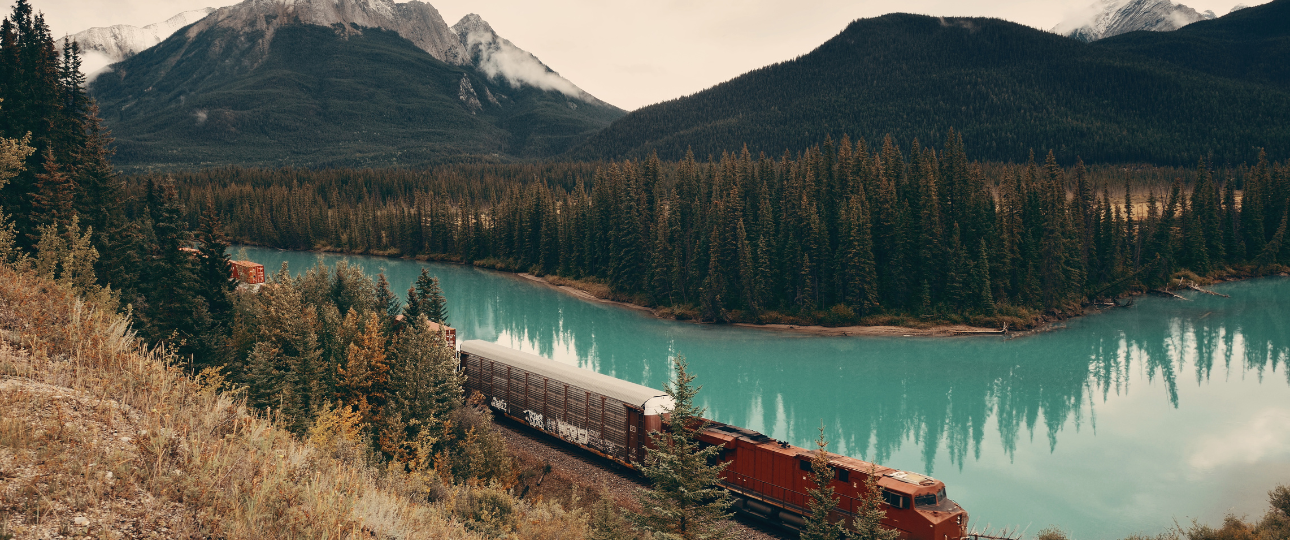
(1087, 15)
(200, 115)
(94, 63)
(957, 22)
(499, 58)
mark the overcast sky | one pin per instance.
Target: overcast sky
(634, 53)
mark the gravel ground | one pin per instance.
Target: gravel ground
(593, 473)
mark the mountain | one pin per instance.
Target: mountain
(1251, 44)
(1005, 87)
(1115, 17)
(339, 82)
(101, 46)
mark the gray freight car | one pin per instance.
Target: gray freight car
(600, 413)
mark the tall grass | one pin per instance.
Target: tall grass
(99, 427)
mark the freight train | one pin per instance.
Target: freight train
(612, 418)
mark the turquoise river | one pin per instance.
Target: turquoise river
(1123, 422)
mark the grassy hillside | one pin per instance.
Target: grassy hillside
(1007, 88)
(323, 97)
(101, 437)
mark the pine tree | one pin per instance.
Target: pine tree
(983, 298)
(54, 195)
(867, 523)
(214, 275)
(386, 303)
(424, 390)
(1272, 250)
(823, 502)
(426, 298)
(436, 306)
(364, 379)
(684, 500)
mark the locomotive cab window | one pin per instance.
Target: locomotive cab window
(925, 500)
(843, 475)
(895, 499)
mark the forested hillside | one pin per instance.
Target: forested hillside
(835, 234)
(325, 97)
(1007, 88)
(1249, 44)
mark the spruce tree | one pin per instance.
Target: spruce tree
(52, 200)
(1273, 248)
(424, 390)
(436, 306)
(982, 295)
(364, 379)
(684, 500)
(386, 303)
(867, 523)
(823, 502)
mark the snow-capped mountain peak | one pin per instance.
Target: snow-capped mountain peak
(416, 21)
(499, 58)
(1108, 18)
(102, 46)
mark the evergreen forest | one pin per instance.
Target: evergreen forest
(839, 233)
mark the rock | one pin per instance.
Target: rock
(81, 521)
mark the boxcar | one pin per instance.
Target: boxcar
(603, 414)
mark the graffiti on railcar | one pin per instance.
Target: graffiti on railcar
(569, 432)
(534, 418)
(499, 404)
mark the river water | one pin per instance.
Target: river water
(1122, 422)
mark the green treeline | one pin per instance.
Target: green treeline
(839, 233)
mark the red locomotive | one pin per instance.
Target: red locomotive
(612, 417)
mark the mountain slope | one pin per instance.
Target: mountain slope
(1007, 88)
(318, 83)
(1251, 44)
(1115, 17)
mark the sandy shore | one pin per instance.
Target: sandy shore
(890, 331)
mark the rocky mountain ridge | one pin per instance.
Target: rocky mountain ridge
(1115, 17)
(471, 42)
(105, 45)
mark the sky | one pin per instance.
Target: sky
(632, 53)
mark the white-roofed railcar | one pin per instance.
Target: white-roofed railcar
(603, 414)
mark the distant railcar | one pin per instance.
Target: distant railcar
(247, 272)
(603, 414)
(770, 478)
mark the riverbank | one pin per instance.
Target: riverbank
(1009, 321)
(591, 294)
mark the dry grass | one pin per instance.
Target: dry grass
(102, 438)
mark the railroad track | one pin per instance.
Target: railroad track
(619, 482)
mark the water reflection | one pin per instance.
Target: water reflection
(950, 406)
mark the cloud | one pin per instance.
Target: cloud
(499, 58)
(200, 115)
(1264, 435)
(95, 63)
(1087, 15)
